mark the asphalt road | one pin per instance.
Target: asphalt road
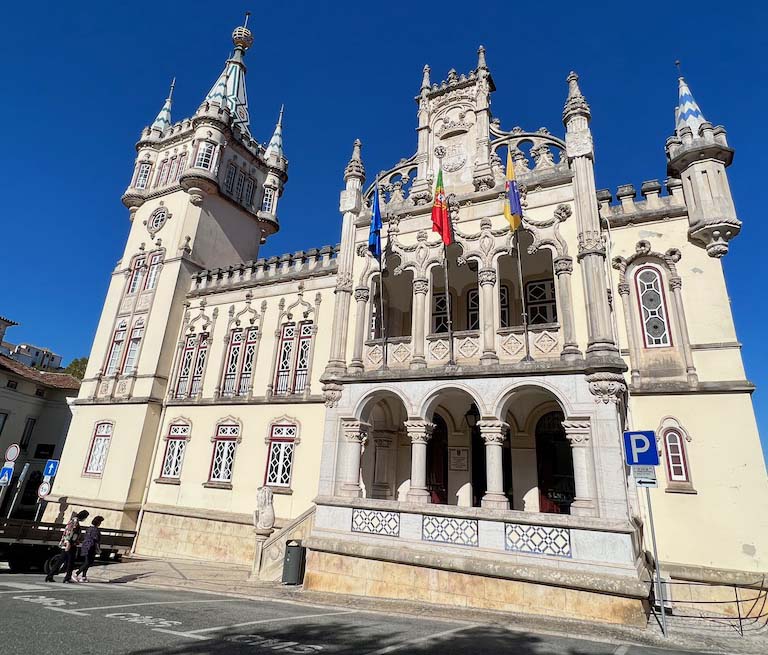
(106, 619)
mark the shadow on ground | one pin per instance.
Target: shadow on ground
(346, 638)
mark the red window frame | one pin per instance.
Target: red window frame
(155, 263)
(219, 438)
(171, 437)
(122, 327)
(136, 269)
(299, 339)
(273, 440)
(284, 340)
(194, 344)
(233, 343)
(683, 455)
(95, 434)
(250, 340)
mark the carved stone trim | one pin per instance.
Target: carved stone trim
(607, 387)
(419, 431)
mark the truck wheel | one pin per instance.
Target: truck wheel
(53, 564)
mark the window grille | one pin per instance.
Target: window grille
(280, 456)
(199, 368)
(182, 165)
(677, 464)
(439, 313)
(165, 168)
(541, 302)
(192, 365)
(653, 310)
(239, 185)
(129, 366)
(302, 357)
(172, 175)
(97, 456)
(137, 276)
(248, 362)
(284, 358)
(142, 177)
(473, 309)
(229, 180)
(232, 362)
(224, 446)
(269, 200)
(154, 271)
(249, 186)
(204, 157)
(178, 435)
(116, 350)
(504, 315)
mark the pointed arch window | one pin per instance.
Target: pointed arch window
(239, 365)
(182, 165)
(654, 318)
(174, 171)
(134, 343)
(293, 357)
(116, 348)
(155, 264)
(137, 275)
(175, 447)
(223, 458)
(676, 457)
(97, 453)
(142, 175)
(162, 175)
(192, 365)
(282, 445)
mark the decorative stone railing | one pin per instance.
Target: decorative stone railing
(398, 353)
(544, 342)
(568, 542)
(301, 264)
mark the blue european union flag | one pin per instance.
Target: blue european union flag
(374, 236)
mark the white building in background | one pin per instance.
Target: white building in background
(486, 482)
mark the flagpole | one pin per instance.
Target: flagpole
(527, 357)
(382, 321)
(451, 359)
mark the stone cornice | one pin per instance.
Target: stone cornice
(680, 388)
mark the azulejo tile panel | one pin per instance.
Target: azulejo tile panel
(372, 521)
(537, 539)
(446, 530)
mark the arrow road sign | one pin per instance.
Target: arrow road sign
(44, 489)
(6, 473)
(51, 466)
(12, 452)
(640, 448)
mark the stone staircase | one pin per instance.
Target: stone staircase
(273, 550)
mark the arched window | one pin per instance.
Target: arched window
(175, 447)
(654, 318)
(675, 455)
(269, 200)
(137, 275)
(129, 365)
(97, 454)
(293, 357)
(239, 365)
(155, 264)
(142, 175)
(192, 365)
(116, 350)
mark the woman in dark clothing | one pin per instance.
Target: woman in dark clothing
(89, 548)
(68, 544)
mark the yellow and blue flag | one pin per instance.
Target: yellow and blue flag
(513, 209)
(374, 236)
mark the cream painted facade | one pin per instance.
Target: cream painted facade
(214, 373)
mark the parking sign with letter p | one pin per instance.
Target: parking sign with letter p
(640, 448)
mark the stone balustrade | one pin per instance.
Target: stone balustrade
(301, 264)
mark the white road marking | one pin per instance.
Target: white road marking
(621, 650)
(197, 634)
(23, 586)
(80, 610)
(420, 640)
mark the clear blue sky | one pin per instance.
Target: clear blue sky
(81, 79)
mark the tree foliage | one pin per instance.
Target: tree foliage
(76, 367)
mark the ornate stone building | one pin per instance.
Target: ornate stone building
(493, 480)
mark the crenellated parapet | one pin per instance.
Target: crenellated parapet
(289, 266)
(653, 207)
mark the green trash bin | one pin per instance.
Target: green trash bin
(293, 565)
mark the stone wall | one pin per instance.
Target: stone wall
(336, 573)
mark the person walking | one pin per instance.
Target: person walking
(68, 545)
(90, 547)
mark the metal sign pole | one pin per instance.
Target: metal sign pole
(659, 591)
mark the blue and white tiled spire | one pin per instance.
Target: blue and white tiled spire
(163, 120)
(231, 82)
(275, 147)
(687, 113)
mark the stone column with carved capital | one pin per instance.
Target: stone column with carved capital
(355, 434)
(493, 434)
(487, 280)
(591, 257)
(578, 434)
(419, 432)
(420, 291)
(563, 270)
(362, 295)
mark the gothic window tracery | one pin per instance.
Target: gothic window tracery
(204, 158)
(224, 446)
(439, 313)
(142, 175)
(192, 365)
(269, 200)
(116, 349)
(97, 453)
(541, 302)
(137, 275)
(155, 264)
(131, 355)
(654, 319)
(293, 357)
(239, 365)
(473, 309)
(504, 316)
(282, 445)
(175, 447)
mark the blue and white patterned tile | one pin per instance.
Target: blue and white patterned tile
(446, 530)
(537, 539)
(371, 521)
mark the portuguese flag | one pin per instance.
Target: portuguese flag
(441, 221)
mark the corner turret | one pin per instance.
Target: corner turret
(698, 154)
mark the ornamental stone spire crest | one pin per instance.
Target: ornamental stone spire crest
(229, 88)
(687, 112)
(355, 168)
(275, 147)
(575, 103)
(163, 120)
